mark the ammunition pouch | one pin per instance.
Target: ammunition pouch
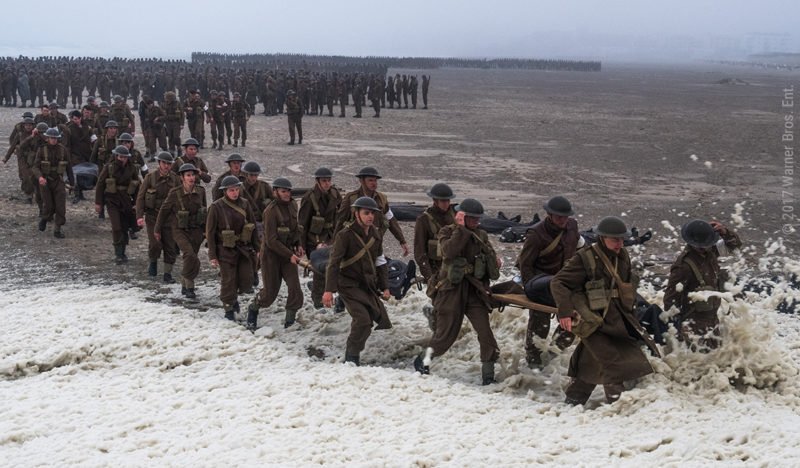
(111, 185)
(709, 305)
(479, 268)
(597, 297)
(433, 250)
(62, 168)
(317, 225)
(284, 234)
(247, 232)
(627, 295)
(45, 167)
(587, 321)
(183, 219)
(456, 269)
(150, 198)
(133, 186)
(491, 267)
(229, 238)
(200, 217)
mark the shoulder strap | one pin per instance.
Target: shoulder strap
(434, 225)
(236, 208)
(607, 263)
(552, 246)
(695, 270)
(315, 202)
(588, 262)
(364, 251)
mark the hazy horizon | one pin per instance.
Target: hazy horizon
(613, 30)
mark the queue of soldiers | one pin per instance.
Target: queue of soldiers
(258, 234)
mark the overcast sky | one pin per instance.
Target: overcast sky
(465, 28)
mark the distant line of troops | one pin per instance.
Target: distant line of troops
(252, 225)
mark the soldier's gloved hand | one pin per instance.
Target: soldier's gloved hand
(327, 299)
(140, 222)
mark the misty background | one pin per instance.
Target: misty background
(681, 30)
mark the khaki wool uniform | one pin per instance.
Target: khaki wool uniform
(26, 146)
(697, 271)
(173, 123)
(188, 234)
(52, 163)
(152, 194)
(116, 196)
(383, 224)
(195, 117)
(217, 192)
(611, 354)
(240, 112)
(281, 236)
(317, 218)
(236, 259)
(454, 301)
(426, 240)
(547, 248)
(352, 273)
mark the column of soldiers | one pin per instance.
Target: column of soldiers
(252, 226)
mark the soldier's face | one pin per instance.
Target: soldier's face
(52, 141)
(189, 178)
(613, 244)
(45, 111)
(370, 183)
(441, 204)
(111, 131)
(366, 217)
(251, 178)
(558, 220)
(471, 222)
(28, 127)
(284, 195)
(164, 167)
(324, 183)
(122, 160)
(236, 166)
(190, 150)
(232, 193)
(77, 120)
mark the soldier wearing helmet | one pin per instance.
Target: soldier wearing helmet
(595, 293)
(257, 191)
(358, 271)
(152, 193)
(154, 121)
(280, 252)
(121, 112)
(118, 180)
(240, 113)
(294, 113)
(697, 269)
(174, 121)
(101, 118)
(317, 216)
(549, 244)
(217, 113)
(426, 238)
(190, 156)
(26, 153)
(184, 211)
(232, 243)
(368, 179)
(234, 162)
(194, 108)
(468, 263)
(49, 167)
(105, 144)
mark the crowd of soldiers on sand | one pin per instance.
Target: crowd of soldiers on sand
(257, 233)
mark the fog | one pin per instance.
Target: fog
(608, 30)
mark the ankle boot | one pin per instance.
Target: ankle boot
(152, 269)
(290, 318)
(229, 312)
(487, 373)
(354, 358)
(252, 317)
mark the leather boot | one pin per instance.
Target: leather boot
(290, 318)
(354, 358)
(119, 254)
(252, 317)
(229, 312)
(487, 373)
(152, 269)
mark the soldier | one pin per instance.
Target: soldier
(102, 118)
(426, 84)
(390, 91)
(173, 122)
(259, 193)
(194, 108)
(398, 90)
(375, 94)
(280, 251)
(118, 180)
(49, 167)
(240, 112)
(426, 239)
(358, 271)
(232, 244)
(468, 263)
(234, 162)
(79, 141)
(549, 244)
(25, 143)
(154, 190)
(46, 116)
(368, 178)
(358, 94)
(317, 218)
(121, 113)
(412, 90)
(103, 146)
(185, 209)
(697, 269)
(294, 112)
(341, 92)
(155, 116)
(599, 283)
(217, 115)
(126, 140)
(190, 149)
